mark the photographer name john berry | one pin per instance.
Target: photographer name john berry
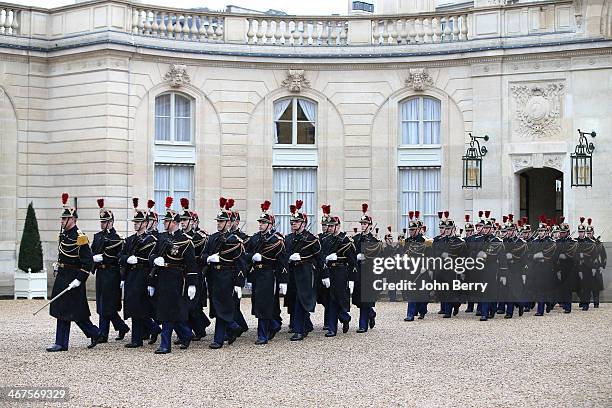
(454, 285)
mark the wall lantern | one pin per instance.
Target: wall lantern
(472, 162)
(582, 161)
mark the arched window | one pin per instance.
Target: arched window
(295, 121)
(420, 121)
(173, 118)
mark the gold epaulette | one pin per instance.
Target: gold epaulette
(428, 242)
(82, 239)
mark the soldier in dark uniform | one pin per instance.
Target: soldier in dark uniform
(599, 264)
(200, 238)
(491, 250)
(416, 248)
(437, 247)
(389, 250)
(586, 253)
(106, 246)
(74, 262)
(235, 229)
(174, 278)
(543, 255)
(135, 270)
(366, 246)
(341, 261)
(303, 250)
(516, 277)
(566, 266)
(453, 247)
(224, 253)
(471, 231)
(197, 321)
(268, 275)
(322, 291)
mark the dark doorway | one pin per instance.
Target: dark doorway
(541, 192)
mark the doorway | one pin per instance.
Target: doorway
(541, 193)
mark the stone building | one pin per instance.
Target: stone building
(117, 99)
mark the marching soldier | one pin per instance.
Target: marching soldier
(491, 250)
(366, 246)
(389, 250)
(416, 248)
(224, 253)
(134, 261)
(200, 238)
(471, 233)
(599, 264)
(106, 246)
(453, 247)
(436, 250)
(339, 277)
(303, 251)
(74, 262)
(174, 270)
(268, 275)
(197, 321)
(235, 229)
(566, 267)
(516, 277)
(542, 253)
(587, 254)
(322, 291)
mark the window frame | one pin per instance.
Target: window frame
(294, 124)
(173, 118)
(421, 196)
(420, 122)
(172, 191)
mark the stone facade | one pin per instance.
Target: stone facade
(77, 103)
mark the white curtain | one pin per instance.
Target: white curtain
(291, 184)
(309, 108)
(431, 121)
(162, 117)
(409, 111)
(174, 181)
(162, 187)
(182, 119)
(420, 190)
(279, 109)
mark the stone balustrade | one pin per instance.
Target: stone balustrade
(138, 20)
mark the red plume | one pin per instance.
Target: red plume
(417, 214)
(64, 198)
(410, 214)
(222, 202)
(446, 214)
(581, 220)
(542, 218)
(265, 206)
(185, 203)
(292, 208)
(520, 223)
(169, 201)
(326, 209)
(424, 228)
(229, 204)
(511, 217)
(150, 204)
(100, 202)
(554, 220)
(480, 213)
(364, 207)
(389, 228)
(355, 230)
(135, 202)
(467, 217)
(487, 213)
(298, 204)
(505, 218)
(440, 214)
(589, 221)
(561, 219)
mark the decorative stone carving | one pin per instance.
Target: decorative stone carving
(538, 109)
(295, 80)
(418, 79)
(521, 162)
(177, 75)
(554, 161)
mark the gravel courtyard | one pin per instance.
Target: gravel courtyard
(557, 360)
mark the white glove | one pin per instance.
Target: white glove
(360, 257)
(508, 255)
(538, 255)
(98, 258)
(580, 275)
(55, 266)
(132, 260)
(481, 254)
(122, 284)
(238, 291)
(594, 271)
(151, 290)
(430, 274)
(326, 282)
(214, 258)
(295, 257)
(503, 280)
(524, 279)
(444, 255)
(581, 255)
(559, 275)
(256, 257)
(248, 285)
(282, 288)
(351, 286)
(331, 257)
(191, 292)
(159, 261)
(562, 256)
(74, 284)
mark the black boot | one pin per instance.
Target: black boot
(122, 334)
(153, 338)
(55, 347)
(162, 351)
(297, 337)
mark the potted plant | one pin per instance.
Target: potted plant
(30, 275)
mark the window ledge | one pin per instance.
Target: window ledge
(170, 143)
(419, 146)
(296, 146)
